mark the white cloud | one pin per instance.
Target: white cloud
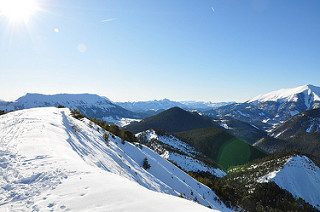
(110, 19)
(212, 9)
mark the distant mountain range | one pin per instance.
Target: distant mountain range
(164, 104)
(265, 111)
(90, 104)
(101, 107)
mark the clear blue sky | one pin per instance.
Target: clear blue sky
(211, 50)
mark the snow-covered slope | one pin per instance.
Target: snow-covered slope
(51, 161)
(300, 176)
(299, 133)
(272, 108)
(311, 94)
(91, 105)
(181, 153)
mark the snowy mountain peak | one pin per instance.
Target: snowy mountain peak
(35, 97)
(310, 92)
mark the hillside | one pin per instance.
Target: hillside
(247, 132)
(221, 146)
(283, 181)
(173, 120)
(51, 161)
(179, 152)
(300, 133)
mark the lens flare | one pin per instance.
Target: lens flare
(18, 10)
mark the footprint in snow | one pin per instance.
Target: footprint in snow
(50, 205)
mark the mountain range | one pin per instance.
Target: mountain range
(259, 155)
(164, 104)
(90, 104)
(268, 110)
(101, 107)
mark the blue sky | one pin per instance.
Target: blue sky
(130, 50)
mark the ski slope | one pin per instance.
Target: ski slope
(51, 161)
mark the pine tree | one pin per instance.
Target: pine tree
(106, 137)
(114, 129)
(128, 136)
(146, 164)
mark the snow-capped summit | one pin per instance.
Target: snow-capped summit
(272, 108)
(31, 100)
(91, 105)
(310, 93)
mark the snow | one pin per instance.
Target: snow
(121, 122)
(293, 113)
(191, 164)
(246, 115)
(265, 120)
(186, 161)
(51, 161)
(301, 177)
(172, 141)
(224, 125)
(284, 95)
(205, 105)
(154, 105)
(165, 104)
(309, 128)
(254, 126)
(32, 100)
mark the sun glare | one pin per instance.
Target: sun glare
(18, 10)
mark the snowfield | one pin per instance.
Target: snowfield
(301, 177)
(51, 161)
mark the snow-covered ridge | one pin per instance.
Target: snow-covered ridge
(31, 100)
(312, 93)
(300, 176)
(51, 161)
(91, 105)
